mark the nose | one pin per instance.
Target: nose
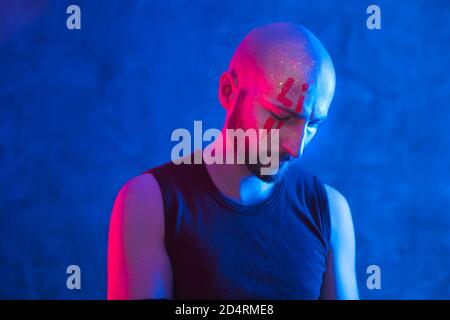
(293, 142)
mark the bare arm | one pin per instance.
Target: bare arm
(340, 277)
(138, 265)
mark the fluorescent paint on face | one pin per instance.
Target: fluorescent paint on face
(308, 131)
(267, 57)
(300, 104)
(269, 123)
(302, 98)
(284, 90)
(280, 124)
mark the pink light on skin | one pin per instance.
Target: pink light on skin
(117, 272)
(301, 99)
(270, 122)
(300, 104)
(280, 124)
(284, 90)
(268, 125)
(304, 87)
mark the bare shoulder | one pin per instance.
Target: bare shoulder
(138, 266)
(139, 203)
(341, 264)
(340, 213)
(336, 200)
(141, 188)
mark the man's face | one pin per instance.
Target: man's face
(294, 106)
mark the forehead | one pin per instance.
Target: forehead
(309, 98)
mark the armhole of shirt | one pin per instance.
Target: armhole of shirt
(324, 207)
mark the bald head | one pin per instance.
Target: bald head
(271, 54)
(280, 77)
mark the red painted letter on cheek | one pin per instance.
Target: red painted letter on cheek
(280, 124)
(269, 123)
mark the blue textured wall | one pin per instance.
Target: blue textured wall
(83, 111)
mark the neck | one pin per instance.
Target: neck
(235, 181)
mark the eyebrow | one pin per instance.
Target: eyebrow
(290, 111)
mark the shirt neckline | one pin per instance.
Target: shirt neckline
(252, 209)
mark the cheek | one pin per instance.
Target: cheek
(268, 122)
(255, 118)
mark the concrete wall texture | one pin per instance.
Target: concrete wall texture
(82, 111)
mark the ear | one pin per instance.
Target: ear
(227, 90)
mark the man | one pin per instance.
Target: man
(226, 231)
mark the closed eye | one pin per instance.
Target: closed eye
(280, 118)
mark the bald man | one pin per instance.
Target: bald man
(227, 231)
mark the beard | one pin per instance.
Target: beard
(256, 168)
(235, 121)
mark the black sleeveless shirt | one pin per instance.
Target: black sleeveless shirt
(220, 249)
